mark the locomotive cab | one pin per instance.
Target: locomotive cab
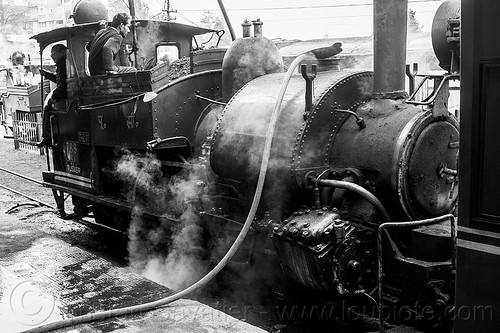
(106, 112)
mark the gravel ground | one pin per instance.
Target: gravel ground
(31, 164)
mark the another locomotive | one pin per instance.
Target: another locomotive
(350, 151)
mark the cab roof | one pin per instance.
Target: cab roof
(63, 33)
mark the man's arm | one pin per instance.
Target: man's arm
(61, 91)
(48, 75)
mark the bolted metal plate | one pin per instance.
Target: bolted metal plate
(431, 169)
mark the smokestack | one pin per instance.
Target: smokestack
(389, 49)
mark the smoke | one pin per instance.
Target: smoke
(167, 249)
(183, 263)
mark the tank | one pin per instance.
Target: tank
(298, 144)
(406, 154)
(87, 11)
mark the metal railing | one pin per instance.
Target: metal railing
(27, 130)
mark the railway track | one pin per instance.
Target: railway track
(37, 202)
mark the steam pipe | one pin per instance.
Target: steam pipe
(359, 121)
(237, 243)
(389, 48)
(354, 188)
(226, 18)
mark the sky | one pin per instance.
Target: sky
(295, 19)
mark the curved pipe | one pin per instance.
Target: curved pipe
(237, 243)
(357, 189)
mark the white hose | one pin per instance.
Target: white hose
(237, 243)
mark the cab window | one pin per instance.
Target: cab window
(167, 53)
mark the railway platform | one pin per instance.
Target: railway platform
(44, 279)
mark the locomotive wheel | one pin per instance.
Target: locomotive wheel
(111, 217)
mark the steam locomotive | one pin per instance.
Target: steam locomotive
(335, 154)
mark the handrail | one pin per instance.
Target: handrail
(409, 224)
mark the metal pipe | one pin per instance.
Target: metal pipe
(359, 121)
(209, 99)
(226, 18)
(22, 176)
(131, 6)
(408, 224)
(43, 106)
(357, 189)
(41, 78)
(389, 48)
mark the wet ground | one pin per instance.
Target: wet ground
(273, 312)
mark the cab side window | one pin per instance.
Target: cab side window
(167, 53)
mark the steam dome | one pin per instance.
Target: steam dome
(86, 11)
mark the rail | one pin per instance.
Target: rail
(22, 176)
(40, 202)
(37, 202)
(26, 196)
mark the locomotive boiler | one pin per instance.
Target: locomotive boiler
(333, 153)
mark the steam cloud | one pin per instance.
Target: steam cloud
(168, 251)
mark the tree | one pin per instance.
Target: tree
(413, 24)
(210, 20)
(15, 17)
